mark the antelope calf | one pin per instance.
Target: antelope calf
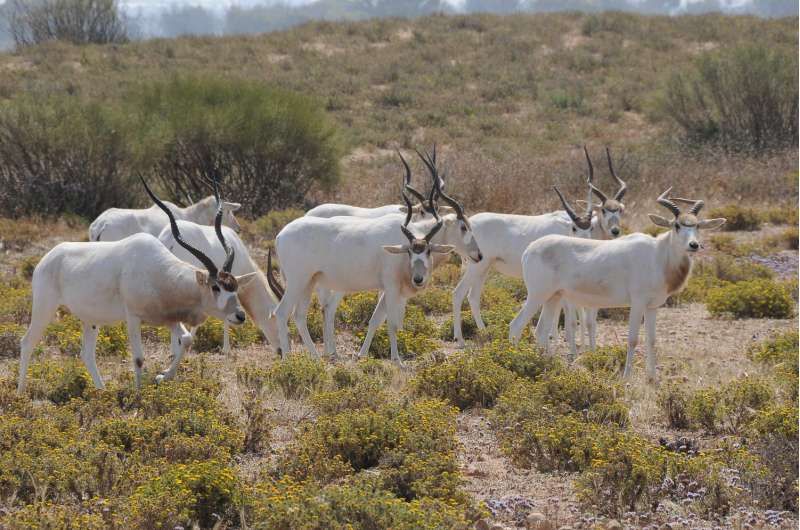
(136, 279)
(636, 271)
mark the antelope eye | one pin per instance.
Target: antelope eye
(215, 288)
(574, 229)
(463, 228)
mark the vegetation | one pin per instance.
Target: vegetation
(760, 298)
(75, 21)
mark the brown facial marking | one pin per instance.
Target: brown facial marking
(687, 219)
(139, 362)
(612, 205)
(676, 276)
(418, 246)
(227, 281)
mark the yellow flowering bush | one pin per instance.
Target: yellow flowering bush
(761, 298)
(729, 408)
(58, 380)
(15, 303)
(446, 275)
(10, 335)
(356, 309)
(673, 400)
(433, 301)
(209, 336)
(298, 375)
(414, 337)
(465, 379)
(524, 359)
(46, 515)
(367, 393)
(608, 361)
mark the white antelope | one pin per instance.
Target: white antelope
(636, 271)
(256, 297)
(347, 254)
(136, 280)
(118, 223)
(504, 237)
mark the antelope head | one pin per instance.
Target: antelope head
(609, 210)
(419, 249)
(685, 225)
(228, 208)
(458, 231)
(219, 296)
(581, 224)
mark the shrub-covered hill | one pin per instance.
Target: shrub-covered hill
(511, 99)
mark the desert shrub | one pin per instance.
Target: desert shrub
(273, 144)
(524, 359)
(446, 275)
(568, 391)
(780, 352)
(788, 239)
(469, 329)
(414, 337)
(27, 266)
(741, 98)
(731, 407)
(10, 335)
(66, 334)
(513, 286)
(75, 21)
(606, 360)
(673, 401)
(465, 379)
(774, 440)
(432, 301)
(63, 154)
(15, 304)
(257, 426)
(365, 394)
(267, 226)
(761, 298)
(356, 309)
(737, 217)
(780, 215)
(298, 375)
(58, 380)
(359, 503)
(720, 272)
(209, 335)
(204, 492)
(45, 514)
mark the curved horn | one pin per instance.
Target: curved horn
(448, 199)
(580, 222)
(622, 186)
(600, 194)
(276, 287)
(433, 231)
(697, 205)
(668, 204)
(419, 196)
(202, 258)
(590, 177)
(229, 252)
(407, 233)
(408, 208)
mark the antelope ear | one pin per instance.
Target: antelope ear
(201, 277)
(245, 279)
(442, 249)
(711, 224)
(395, 249)
(444, 210)
(232, 206)
(660, 221)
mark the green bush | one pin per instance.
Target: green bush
(673, 401)
(365, 394)
(27, 266)
(46, 514)
(780, 352)
(762, 298)
(204, 492)
(267, 226)
(465, 379)
(606, 360)
(356, 309)
(433, 301)
(414, 337)
(58, 380)
(192, 126)
(721, 272)
(15, 303)
(737, 217)
(446, 275)
(524, 359)
(10, 335)
(741, 98)
(298, 375)
(731, 407)
(774, 440)
(66, 333)
(209, 335)
(62, 153)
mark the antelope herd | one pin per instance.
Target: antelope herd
(159, 265)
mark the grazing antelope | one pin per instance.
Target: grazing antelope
(504, 237)
(118, 223)
(257, 297)
(636, 271)
(456, 231)
(136, 279)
